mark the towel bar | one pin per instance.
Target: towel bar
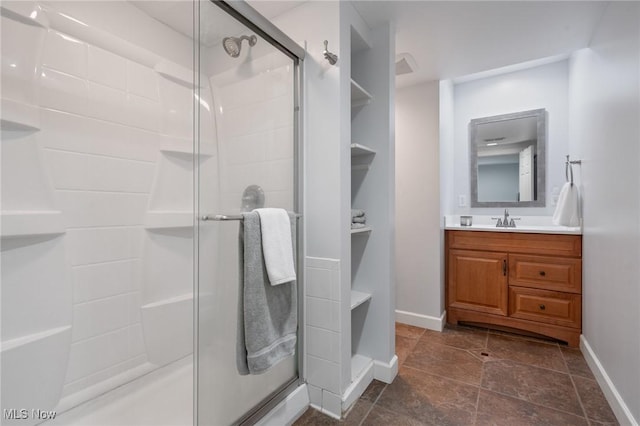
(222, 217)
(568, 169)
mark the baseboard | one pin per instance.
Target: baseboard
(386, 372)
(357, 387)
(620, 409)
(289, 410)
(423, 321)
(326, 412)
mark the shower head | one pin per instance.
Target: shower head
(232, 45)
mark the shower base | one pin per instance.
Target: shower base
(162, 397)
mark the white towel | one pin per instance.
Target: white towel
(567, 213)
(276, 245)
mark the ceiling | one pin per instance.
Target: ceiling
(447, 39)
(452, 39)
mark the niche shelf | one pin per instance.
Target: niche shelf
(358, 298)
(361, 157)
(361, 230)
(358, 150)
(17, 116)
(177, 146)
(359, 96)
(360, 167)
(162, 219)
(17, 223)
(359, 366)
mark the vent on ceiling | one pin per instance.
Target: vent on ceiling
(405, 64)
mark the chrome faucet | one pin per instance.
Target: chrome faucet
(505, 223)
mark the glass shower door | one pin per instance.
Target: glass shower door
(246, 159)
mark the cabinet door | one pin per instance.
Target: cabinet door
(478, 281)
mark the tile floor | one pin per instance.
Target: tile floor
(472, 376)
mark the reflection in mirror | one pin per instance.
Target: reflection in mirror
(507, 160)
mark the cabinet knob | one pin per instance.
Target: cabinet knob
(542, 307)
(543, 273)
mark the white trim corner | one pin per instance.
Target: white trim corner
(386, 372)
(420, 320)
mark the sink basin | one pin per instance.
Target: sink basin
(529, 224)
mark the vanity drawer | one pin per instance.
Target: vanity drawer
(548, 273)
(545, 306)
(515, 242)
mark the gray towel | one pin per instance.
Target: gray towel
(357, 213)
(267, 315)
(359, 219)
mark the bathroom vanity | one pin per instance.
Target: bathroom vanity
(515, 278)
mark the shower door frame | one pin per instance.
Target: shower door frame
(249, 17)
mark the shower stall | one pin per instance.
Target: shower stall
(124, 124)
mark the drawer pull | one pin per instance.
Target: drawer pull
(542, 307)
(504, 267)
(543, 273)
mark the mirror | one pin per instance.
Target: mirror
(507, 158)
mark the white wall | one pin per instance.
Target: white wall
(418, 263)
(545, 87)
(605, 111)
(310, 24)
(447, 137)
(325, 204)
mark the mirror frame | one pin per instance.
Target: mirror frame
(541, 129)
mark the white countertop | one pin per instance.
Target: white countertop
(527, 224)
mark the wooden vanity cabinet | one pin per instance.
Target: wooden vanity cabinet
(478, 281)
(529, 282)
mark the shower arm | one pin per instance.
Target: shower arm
(331, 57)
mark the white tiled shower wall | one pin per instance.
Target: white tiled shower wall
(323, 333)
(103, 119)
(104, 195)
(110, 128)
(254, 118)
(255, 122)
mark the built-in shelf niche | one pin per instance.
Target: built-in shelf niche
(359, 96)
(358, 150)
(360, 167)
(358, 298)
(34, 222)
(359, 365)
(17, 116)
(361, 230)
(370, 151)
(177, 146)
